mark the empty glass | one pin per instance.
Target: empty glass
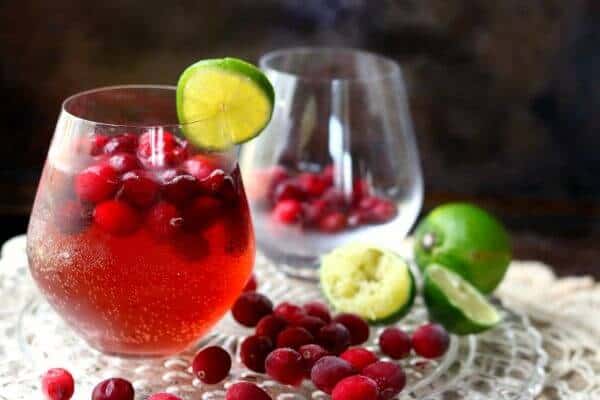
(338, 162)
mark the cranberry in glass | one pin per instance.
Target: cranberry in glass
(116, 217)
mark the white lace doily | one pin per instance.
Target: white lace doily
(564, 310)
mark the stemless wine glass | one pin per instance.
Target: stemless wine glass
(139, 240)
(338, 161)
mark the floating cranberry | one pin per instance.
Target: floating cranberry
(357, 326)
(138, 188)
(294, 337)
(395, 343)
(288, 211)
(317, 309)
(333, 222)
(58, 384)
(123, 162)
(199, 166)
(164, 220)
(289, 312)
(116, 217)
(246, 391)
(163, 396)
(359, 357)
(251, 284)
(430, 340)
(125, 143)
(311, 324)
(202, 212)
(311, 353)
(312, 184)
(214, 182)
(250, 307)
(180, 189)
(270, 326)
(96, 183)
(155, 143)
(254, 351)
(212, 364)
(288, 190)
(97, 143)
(355, 387)
(72, 216)
(285, 366)
(389, 377)
(328, 371)
(113, 389)
(334, 337)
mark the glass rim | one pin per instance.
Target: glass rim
(70, 114)
(393, 67)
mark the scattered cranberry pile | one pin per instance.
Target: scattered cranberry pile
(153, 178)
(310, 199)
(292, 343)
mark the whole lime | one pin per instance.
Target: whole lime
(467, 240)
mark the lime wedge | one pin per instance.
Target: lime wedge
(373, 283)
(455, 303)
(222, 102)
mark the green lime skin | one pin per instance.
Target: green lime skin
(400, 313)
(467, 240)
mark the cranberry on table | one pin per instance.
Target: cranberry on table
(113, 389)
(359, 357)
(270, 326)
(310, 323)
(251, 285)
(333, 222)
(164, 220)
(430, 340)
(294, 337)
(250, 307)
(311, 353)
(57, 384)
(254, 351)
(328, 371)
(395, 343)
(355, 387)
(246, 391)
(212, 364)
(357, 326)
(96, 183)
(390, 378)
(289, 312)
(334, 337)
(288, 211)
(138, 188)
(116, 217)
(317, 309)
(163, 396)
(285, 366)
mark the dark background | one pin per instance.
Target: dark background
(504, 94)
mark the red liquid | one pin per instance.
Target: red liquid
(140, 293)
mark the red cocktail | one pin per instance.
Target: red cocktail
(140, 241)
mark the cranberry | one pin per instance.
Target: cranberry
(285, 366)
(313, 212)
(334, 198)
(289, 312)
(357, 218)
(163, 396)
(125, 143)
(383, 211)
(191, 247)
(334, 337)
(358, 327)
(200, 166)
(180, 189)
(311, 353)
(327, 174)
(246, 391)
(328, 371)
(138, 188)
(312, 184)
(254, 350)
(250, 307)
(294, 337)
(359, 357)
(389, 377)
(355, 387)
(97, 143)
(317, 309)
(164, 219)
(116, 217)
(202, 212)
(156, 147)
(123, 162)
(430, 340)
(96, 183)
(394, 343)
(58, 384)
(113, 389)
(360, 189)
(288, 211)
(333, 222)
(212, 364)
(251, 284)
(368, 203)
(72, 216)
(214, 182)
(270, 326)
(288, 190)
(311, 324)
